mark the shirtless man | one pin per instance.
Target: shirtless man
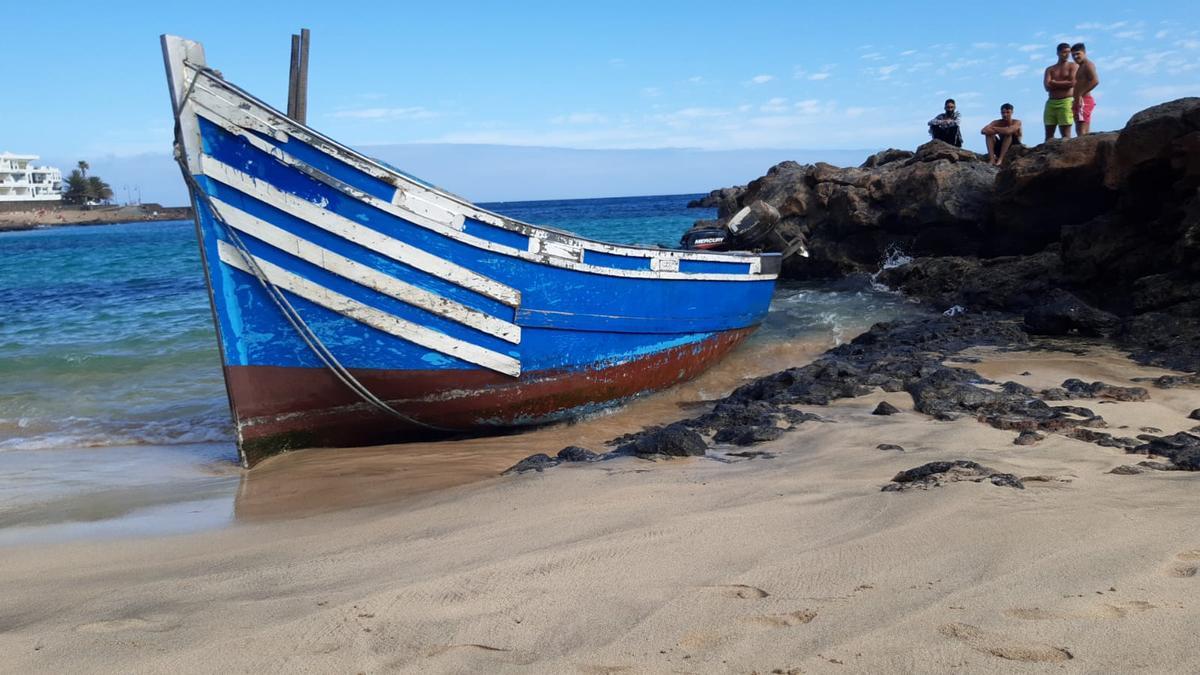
(1059, 82)
(1002, 134)
(1086, 80)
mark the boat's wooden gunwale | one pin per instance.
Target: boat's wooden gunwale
(264, 119)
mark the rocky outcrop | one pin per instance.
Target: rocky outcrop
(721, 199)
(934, 201)
(1093, 236)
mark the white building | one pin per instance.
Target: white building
(21, 181)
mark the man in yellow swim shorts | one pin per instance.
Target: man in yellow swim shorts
(1059, 82)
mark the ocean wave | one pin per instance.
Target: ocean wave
(27, 433)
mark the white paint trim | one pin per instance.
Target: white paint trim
(366, 275)
(552, 252)
(365, 314)
(354, 232)
(441, 202)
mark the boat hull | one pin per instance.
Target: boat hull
(356, 304)
(289, 408)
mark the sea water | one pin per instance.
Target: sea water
(110, 383)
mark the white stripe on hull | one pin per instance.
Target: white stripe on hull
(365, 275)
(365, 314)
(544, 246)
(356, 233)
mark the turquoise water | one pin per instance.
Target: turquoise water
(110, 380)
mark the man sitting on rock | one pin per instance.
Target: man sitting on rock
(1002, 134)
(944, 127)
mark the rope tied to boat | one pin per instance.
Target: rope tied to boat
(280, 300)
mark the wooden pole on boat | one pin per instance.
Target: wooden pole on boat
(302, 80)
(293, 77)
(297, 107)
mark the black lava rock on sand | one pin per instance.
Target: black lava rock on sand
(673, 440)
(936, 474)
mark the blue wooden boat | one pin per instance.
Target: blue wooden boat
(356, 304)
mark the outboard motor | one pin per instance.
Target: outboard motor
(756, 227)
(705, 238)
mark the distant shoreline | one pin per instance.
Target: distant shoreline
(59, 216)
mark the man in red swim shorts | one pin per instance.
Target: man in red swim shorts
(1086, 80)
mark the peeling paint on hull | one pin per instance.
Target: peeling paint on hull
(281, 409)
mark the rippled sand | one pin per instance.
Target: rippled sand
(793, 564)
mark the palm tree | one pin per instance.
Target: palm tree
(83, 167)
(98, 190)
(77, 188)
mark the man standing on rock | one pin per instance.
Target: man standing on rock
(944, 127)
(1002, 134)
(1059, 82)
(1086, 80)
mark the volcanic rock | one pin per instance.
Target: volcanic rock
(1061, 313)
(539, 462)
(1183, 449)
(673, 440)
(885, 408)
(574, 453)
(935, 474)
(1028, 438)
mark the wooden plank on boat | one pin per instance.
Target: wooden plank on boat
(364, 275)
(370, 316)
(356, 233)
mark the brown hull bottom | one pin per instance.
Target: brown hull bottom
(278, 409)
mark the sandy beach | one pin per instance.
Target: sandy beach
(795, 563)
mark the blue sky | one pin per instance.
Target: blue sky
(85, 80)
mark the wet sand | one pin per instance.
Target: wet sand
(793, 564)
(324, 479)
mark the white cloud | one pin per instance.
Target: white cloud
(908, 52)
(1101, 26)
(1072, 39)
(1129, 35)
(1168, 92)
(696, 79)
(885, 72)
(984, 45)
(1032, 48)
(616, 63)
(414, 113)
(812, 106)
(695, 113)
(761, 79)
(1188, 44)
(820, 76)
(872, 56)
(1014, 71)
(777, 104)
(651, 92)
(959, 64)
(580, 118)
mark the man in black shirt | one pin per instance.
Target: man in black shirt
(944, 127)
